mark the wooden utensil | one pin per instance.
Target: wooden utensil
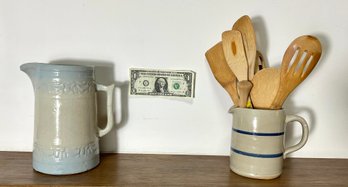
(265, 87)
(222, 72)
(244, 88)
(259, 62)
(245, 27)
(233, 47)
(303, 54)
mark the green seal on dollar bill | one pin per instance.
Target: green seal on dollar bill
(176, 86)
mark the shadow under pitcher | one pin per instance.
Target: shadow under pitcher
(66, 133)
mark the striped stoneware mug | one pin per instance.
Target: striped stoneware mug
(258, 141)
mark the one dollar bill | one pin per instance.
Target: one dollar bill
(166, 83)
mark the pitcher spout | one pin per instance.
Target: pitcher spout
(232, 109)
(31, 69)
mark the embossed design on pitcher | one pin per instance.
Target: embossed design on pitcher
(73, 87)
(66, 132)
(60, 154)
(91, 148)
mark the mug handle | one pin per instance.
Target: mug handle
(305, 132)
(110, 115)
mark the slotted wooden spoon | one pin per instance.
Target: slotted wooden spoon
(303, 54)
(245, 27)
(233, 47)
(222, 72)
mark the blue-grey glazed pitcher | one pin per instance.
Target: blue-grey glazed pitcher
(66, 134)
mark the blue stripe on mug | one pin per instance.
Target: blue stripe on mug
(258, 133)
(257, 155)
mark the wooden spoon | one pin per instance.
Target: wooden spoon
(233, 47)
(304, 53)
(265, 87)
(222, 72)
(245, 27)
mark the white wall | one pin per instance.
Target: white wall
(172, 34)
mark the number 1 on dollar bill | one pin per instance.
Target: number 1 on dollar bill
(165, 83)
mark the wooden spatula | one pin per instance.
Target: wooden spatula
(303, 54)
(233, 47)
(222, 72)
(245, 27)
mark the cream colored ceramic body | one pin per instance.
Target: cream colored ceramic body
(66, 134)
(257, 146)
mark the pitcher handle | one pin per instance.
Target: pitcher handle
(305, 132)
(110, 116)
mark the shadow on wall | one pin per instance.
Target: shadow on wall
(261, 37)
(105, 74)
(290, 107)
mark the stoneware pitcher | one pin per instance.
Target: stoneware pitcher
(66, 134)
(258, 141)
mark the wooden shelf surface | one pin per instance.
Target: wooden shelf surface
(172, 170)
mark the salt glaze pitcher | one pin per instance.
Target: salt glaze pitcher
(66, 134)
(258, 141)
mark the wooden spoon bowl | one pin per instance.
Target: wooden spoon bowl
(265, 87)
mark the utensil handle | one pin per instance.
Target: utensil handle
(109, 100)
(305, 132)
(244, 88)
(259, 62)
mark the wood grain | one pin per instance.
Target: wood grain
(244, 88)
(265, 87)
(222, 72)
(233, 47)
(293, 74)
(245, 27)
(171, 170)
